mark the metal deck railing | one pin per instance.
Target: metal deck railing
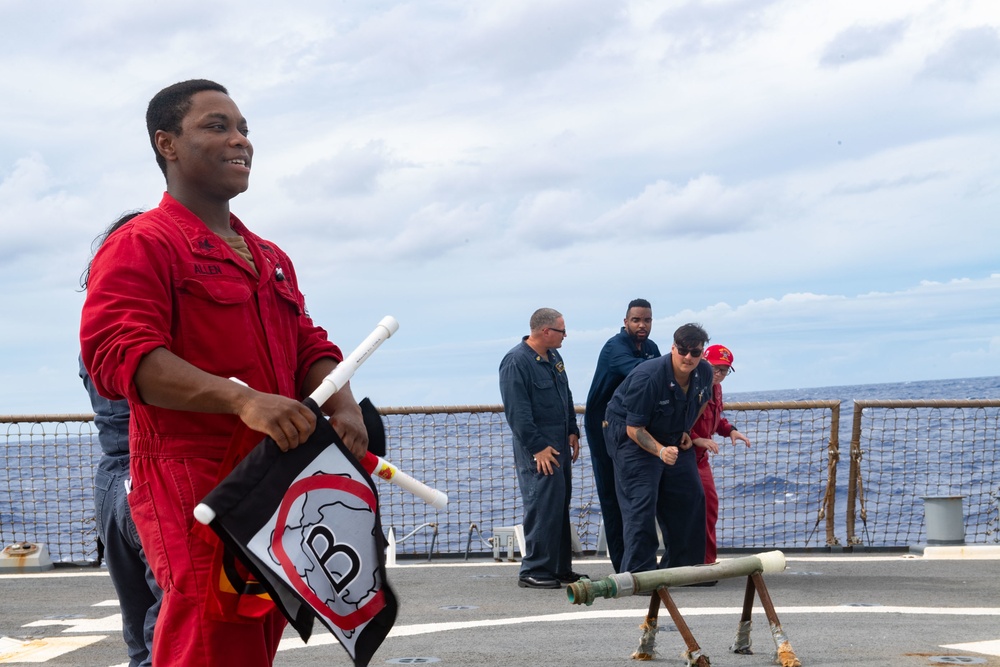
(782, 493)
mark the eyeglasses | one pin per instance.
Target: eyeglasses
(685, 351)
(722, 370)
(562, 331)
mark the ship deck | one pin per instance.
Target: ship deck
(941, 606)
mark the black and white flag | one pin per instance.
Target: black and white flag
(306, 522)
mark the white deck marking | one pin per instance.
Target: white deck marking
(429, 628)
(426, 628)
(986, 648)
(56, 574)
(15, 651)
(111, 623)
(43, 650)
(12, 650)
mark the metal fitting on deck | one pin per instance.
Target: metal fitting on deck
(20, 549)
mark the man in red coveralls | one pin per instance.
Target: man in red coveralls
(180, 300)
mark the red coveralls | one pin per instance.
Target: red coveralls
(710, 423)
(165, 280)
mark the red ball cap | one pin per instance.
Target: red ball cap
(719, 355)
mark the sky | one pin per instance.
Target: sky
(817, 183)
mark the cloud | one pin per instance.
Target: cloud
(862, 43)
(32, 201)
(550, 219)
(799, 339)
(875, 185)
(915, 333)
(28, 179)
(355, 170)
(460, 164)
(436, 229)
(701, 207)
(696, 27)
(525, 38)
(967, 57)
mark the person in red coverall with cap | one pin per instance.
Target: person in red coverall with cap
(709, 424)
(181, 299)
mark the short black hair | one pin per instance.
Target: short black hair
(637, 303)
(690, 335)
(169, 106)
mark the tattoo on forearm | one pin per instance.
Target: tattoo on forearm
(646, 441)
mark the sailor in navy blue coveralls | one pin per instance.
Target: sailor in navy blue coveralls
(649, 491)
(540, 412)
(138, 594)
(618, 357)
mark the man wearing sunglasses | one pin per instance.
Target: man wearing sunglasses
(656, 476)
(539, 409)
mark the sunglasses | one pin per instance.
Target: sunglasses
(685, 351)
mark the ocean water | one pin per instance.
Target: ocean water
(771, 495)
(908, 454)
(962, 388)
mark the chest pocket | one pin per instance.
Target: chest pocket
(547, 402)
(665, 424)
(206, 309)
(663, 412)
(222, 290)
(283, 289)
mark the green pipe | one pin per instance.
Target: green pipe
(622, 585)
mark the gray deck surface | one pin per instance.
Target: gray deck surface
(840, 609)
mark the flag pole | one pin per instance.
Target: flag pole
(379, 467)
(373, 464)
(344, 371)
